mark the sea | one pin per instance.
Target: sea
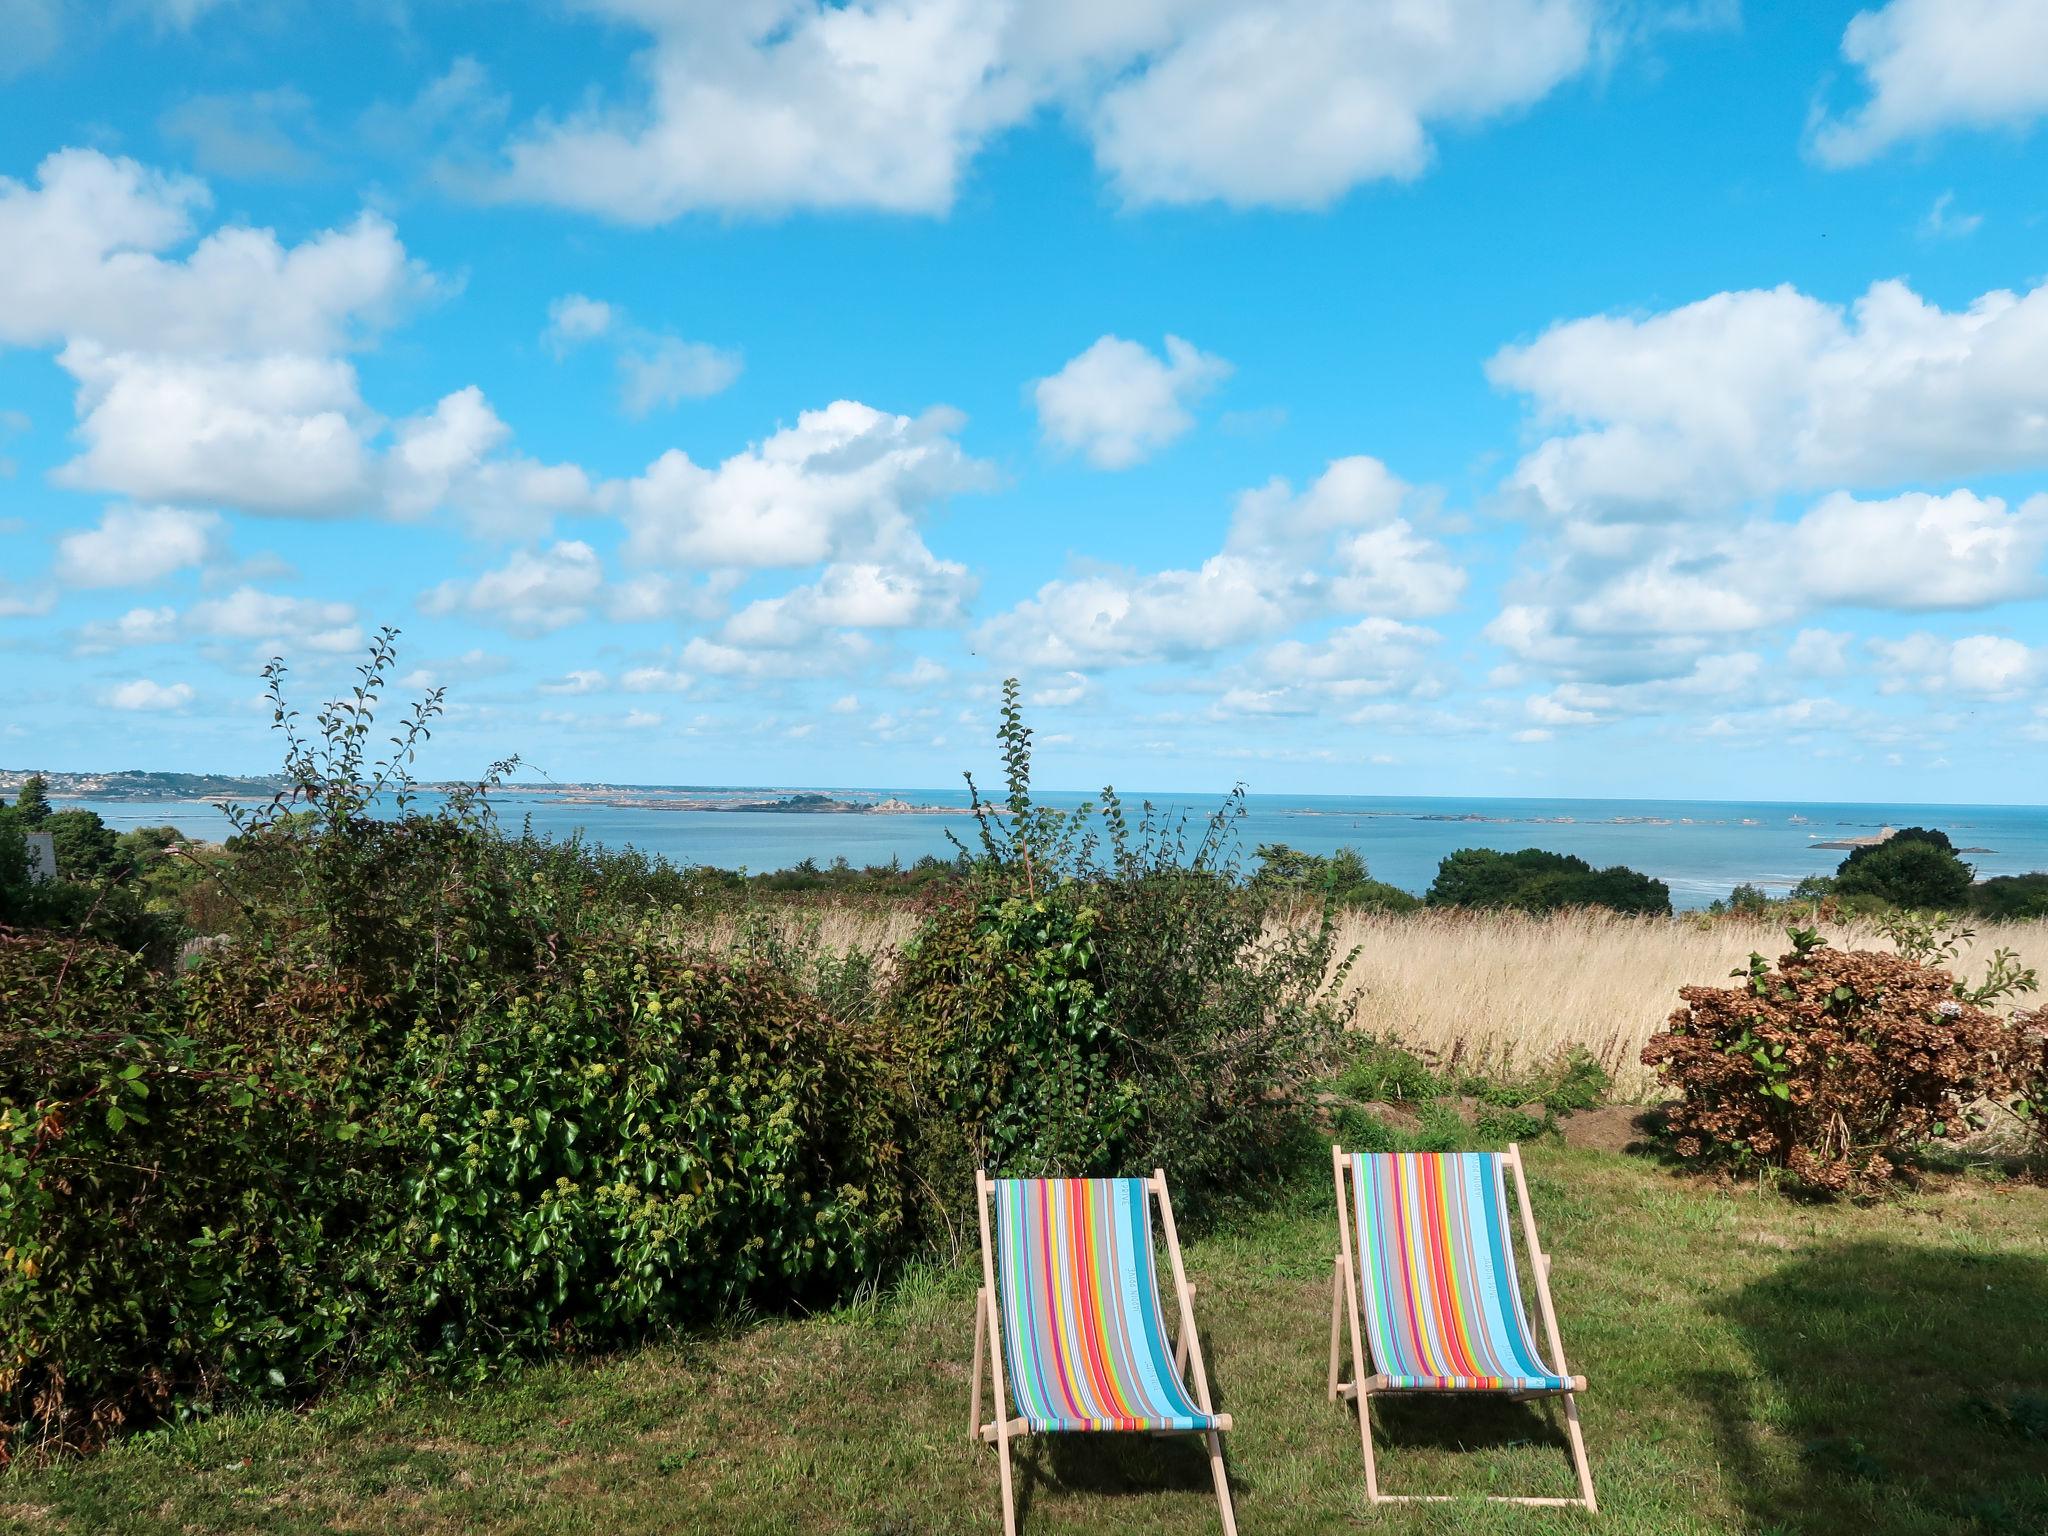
(1700, 848)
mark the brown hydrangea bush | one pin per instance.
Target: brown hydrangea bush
(1831, 1065)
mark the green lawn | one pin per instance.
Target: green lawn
(1756, 1365)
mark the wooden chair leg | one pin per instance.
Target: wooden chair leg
(1578, 1443)
(1009, 1497)
(1222, 1476)
(1336, 1318)
(1372, 1473)
(974, 1388)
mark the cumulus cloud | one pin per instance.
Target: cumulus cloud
(1118, 403)
(844, 483)
(452, 457)
(85, 261)
(144, 694)
(656, 369)
(272, 622)
(534, 593)
(138, 626)
(1935, 65)
(800, 103)
(575, 318)
(667, 370)
(917, 591)
(279, 434)
(1991, 666)
(1745, 395)
(1343, 545)
(134, 546)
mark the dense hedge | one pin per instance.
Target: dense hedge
(240, 1180)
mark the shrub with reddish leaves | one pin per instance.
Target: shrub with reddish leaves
(1831, 1065)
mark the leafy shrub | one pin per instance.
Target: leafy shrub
(238, 1181)
(2011, 897)
(1533, 880)
(1831, 1065)
(1340, 879)
(1916, 868)
(1103, 998)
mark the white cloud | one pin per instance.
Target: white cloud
(533, 593)
(1942, 223)
(1295, 103)
(144, 694)
(577, 682)
(655, 680)
(134, 546)
(882, 103)
(1819, 652)
(1935, 65)
(1744, 395)
(1340, 546)
(279, 434)
(85, 262)
(575, 318)
(844, 483)
(274, 623)
(33, 29)
(138, 626)
(1918, 551)
(667, 370)
(1118, 403)
(640, 720)
(917, 591)
(1991, 666)
(1373, 658)
(19, 600)
(450, 458)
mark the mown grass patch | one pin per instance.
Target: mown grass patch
(1757, 1365)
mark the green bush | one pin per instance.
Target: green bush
(1916, 869)
(1533, 880)
(1340, 879)
(238, 1181)
(2005, 898)
(1104, 998)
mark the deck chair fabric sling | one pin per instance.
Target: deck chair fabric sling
(1069, 1323)
(1426, 1271)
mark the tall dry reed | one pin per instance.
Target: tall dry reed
(1499, 988)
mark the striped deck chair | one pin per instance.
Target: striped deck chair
(1069, 1303)
(1436, 1284)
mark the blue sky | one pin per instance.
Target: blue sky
(1494, 397)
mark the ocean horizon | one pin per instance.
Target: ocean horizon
(1700, 848)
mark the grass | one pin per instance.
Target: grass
(1503, 992)
(1756, 1366)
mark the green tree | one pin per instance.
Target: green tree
(87, 848)
(1914, 869)
(1536, 880)
(32, 804)
(2011, 896)
(1341, 878)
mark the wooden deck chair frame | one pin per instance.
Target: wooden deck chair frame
(988, 1345)
(1344, 1288)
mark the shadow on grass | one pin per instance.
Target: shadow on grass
(1912, 1383)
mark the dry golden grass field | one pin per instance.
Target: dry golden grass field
(1501, 989)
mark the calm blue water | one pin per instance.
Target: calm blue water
(1700, 847)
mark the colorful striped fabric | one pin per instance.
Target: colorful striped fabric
(1442, 1299)
(1083, 1337)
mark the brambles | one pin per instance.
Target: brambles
(1833, 1064)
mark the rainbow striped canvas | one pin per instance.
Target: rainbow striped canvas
(1442, 1299)
(1083, 1338)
